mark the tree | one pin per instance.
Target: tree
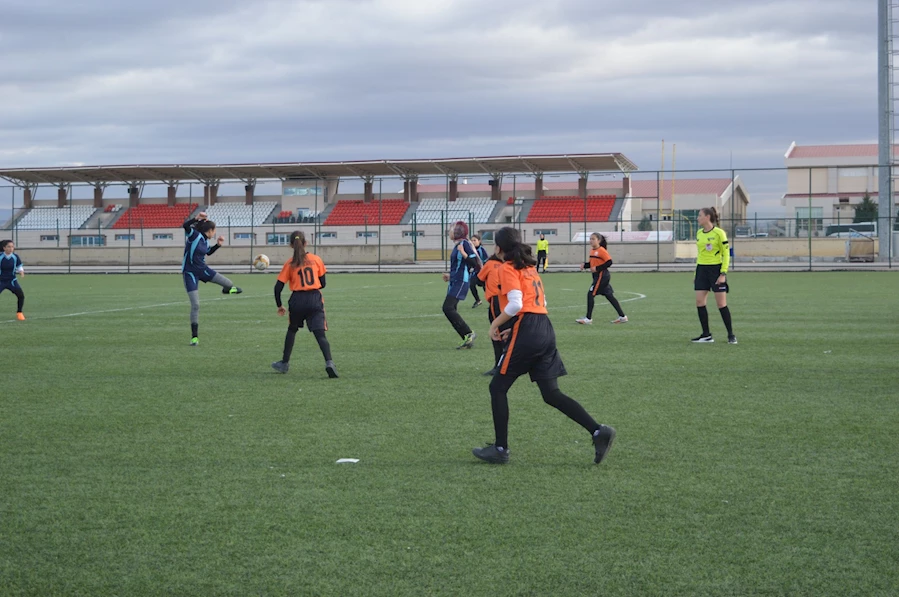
(866, 211)
(645, 225)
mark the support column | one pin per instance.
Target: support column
(61, 197)
(626, 186)
(134, 196)
(453, 189)
(582, 187)
(250, 191)
(369, 191)
(210, 193)
(538, 186)
(172, 195)
(98, 196)
(495, 188)
(27, 200)
(413, 190)
(406, 188)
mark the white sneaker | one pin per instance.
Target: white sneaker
(622, 319)
(584, 320)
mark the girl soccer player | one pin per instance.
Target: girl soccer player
(530, 348)
(489, 277)
(472, 273)
(10, 266)
(198, 232)
(712, 260)
(599, 264)
(305, 274)
(542, 252)
(462, 258)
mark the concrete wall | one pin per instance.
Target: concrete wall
(355, 255)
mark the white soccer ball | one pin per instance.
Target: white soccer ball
(261, 262)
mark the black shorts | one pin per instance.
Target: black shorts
(307, 306)
(601, 284)
(531, 349)
(706, 278)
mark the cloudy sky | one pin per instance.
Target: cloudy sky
(219, 81)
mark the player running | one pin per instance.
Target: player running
(198, 232)
(472, 273)
(10, 266)
(489, 277)
(530, 348)
(462, 260)
(599, 264)
(305, 275)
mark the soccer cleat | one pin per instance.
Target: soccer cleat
(622, 319)
(331, 369)
(467, 341)
(584, 320)
(476, 304)
(703, 338)
(281, 366)
(602, 442)
(492, 372)
(232, 290)
(732, 339)
(492, 454)
(20, 316)
(194, 341)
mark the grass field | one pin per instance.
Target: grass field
(133, 464)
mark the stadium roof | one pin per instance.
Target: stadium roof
(834, 151)
(96, 175)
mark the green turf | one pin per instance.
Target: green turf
(133, 464)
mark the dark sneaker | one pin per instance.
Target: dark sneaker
(476, 304)
(492, 454)
(732, 339)
(232, 290)
(467, 341)
(492, 372)
(280, 366)
(331, 369)
(703, 338)
(602, 441)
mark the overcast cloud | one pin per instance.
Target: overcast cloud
(102, 82)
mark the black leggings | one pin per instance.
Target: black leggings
(20, 295)
(552, 395)
(449, 309)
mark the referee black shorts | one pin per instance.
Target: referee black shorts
(531, 349)
(307, 306)
(706, 278)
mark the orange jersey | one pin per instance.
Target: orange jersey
(528, 282)
(598, 256)
(489, 275)
(306, 277)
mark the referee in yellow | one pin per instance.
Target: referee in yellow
(542, 252)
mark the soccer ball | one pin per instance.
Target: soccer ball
(261, 262)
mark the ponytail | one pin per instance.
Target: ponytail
(712, 213)
(601, 238)
(509, 242)
(204, 226)
(298, 242)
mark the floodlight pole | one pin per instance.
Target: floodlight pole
(885, 141)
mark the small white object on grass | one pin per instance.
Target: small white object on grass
(347, 460)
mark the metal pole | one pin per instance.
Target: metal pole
(658, 215)
(380, 187)
(884, 123)
(809, 221)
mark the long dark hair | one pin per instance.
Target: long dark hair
(601, 238)
(204, 226)
(3, 244)
(298, 242)
(508, 240)
(712, 213)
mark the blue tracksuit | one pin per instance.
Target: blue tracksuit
(459, 274)
(196, 248)
(8, 266)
